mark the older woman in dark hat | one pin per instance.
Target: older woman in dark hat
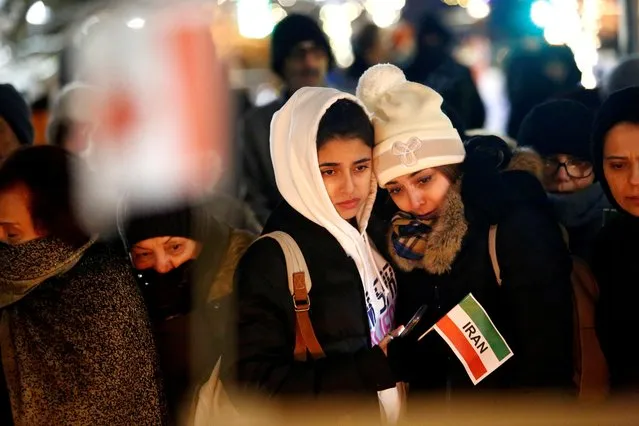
(184, 260)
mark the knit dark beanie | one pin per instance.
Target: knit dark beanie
(558, 127)
(16, 112)
(177, 222)
(291, 31)
(621, 106)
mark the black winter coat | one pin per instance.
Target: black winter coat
(614, 264)
(532, 309)
(265, 324)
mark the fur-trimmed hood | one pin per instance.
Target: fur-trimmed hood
(445, 240)
(222, 278)
(528, 160)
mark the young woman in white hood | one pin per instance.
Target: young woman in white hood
(321, 147)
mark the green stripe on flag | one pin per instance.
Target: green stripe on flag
(476, 313)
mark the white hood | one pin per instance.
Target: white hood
(298, 177)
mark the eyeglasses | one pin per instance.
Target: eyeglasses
(575, 168)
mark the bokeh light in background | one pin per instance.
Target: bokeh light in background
(336, 23)
(384, 13)
(254, 18)
(38, 14)
(563, 23)
(136, 23)
(540, 13)
(478, 9)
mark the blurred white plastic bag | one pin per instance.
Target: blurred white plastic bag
(162, 129)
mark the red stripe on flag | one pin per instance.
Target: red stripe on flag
(463, 346)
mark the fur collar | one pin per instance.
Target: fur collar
(222, 284)
(445, 240)
(527, 160)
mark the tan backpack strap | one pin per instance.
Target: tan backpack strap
(299, 281)
(492, 250)
(305, 338)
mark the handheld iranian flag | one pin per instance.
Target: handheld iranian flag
(471, 334)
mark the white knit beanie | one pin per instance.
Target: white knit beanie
(411, 131)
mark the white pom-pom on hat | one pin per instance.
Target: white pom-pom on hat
(376, 81)
(412, 132)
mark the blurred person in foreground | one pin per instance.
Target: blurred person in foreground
(435, 66)
(616, 161)
(76, 342)
(16, 129)
(301, 56)
(184, 260)
(560, 132)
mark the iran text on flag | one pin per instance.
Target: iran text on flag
(471, 334)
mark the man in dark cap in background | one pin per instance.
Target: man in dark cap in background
(16, 128)
(301, 56)
(560, 132)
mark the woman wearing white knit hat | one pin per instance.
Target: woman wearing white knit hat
(443, 197)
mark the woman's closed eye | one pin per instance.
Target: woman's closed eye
(425, 179)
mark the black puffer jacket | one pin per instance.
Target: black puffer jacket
(532, 308)
(265, 326)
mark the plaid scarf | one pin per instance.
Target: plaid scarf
(410, 234)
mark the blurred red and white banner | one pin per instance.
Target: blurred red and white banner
(163, 120)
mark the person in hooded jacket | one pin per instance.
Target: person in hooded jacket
(75, 337)
(184, 260)
(616, 161)
(560, 132)
(443, 198)
(321, 145)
